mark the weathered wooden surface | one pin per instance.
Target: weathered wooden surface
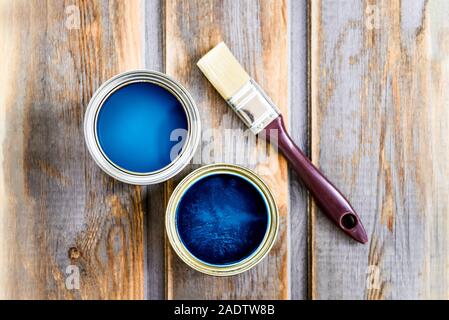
(379, 129)
(58, 209)
(52, 195)
(298, 123)
(378, 125)
(256, 31)
(153, 54)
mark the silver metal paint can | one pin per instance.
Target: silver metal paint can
(191, 140)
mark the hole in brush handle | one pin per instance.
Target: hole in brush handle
(348, 221)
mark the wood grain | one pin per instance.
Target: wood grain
(299, 129)
(256, 32)
(153, 54)
(57, 207)
(379, 129)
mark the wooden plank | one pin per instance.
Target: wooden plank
(298, 69)
(380, 124)
(57, 207)
(256, 31)
(152, 17)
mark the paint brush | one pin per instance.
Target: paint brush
(259, 113)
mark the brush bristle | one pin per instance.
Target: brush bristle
(223, 70)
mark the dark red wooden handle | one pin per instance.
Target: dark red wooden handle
(330, 200)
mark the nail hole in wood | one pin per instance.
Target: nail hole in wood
(74, 253)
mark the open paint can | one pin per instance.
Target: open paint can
(142, 127)
(222, 219)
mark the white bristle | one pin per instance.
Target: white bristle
(223, 70)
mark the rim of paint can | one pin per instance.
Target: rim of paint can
(226, 269)
(165, 82)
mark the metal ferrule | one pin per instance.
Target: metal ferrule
(254, 107)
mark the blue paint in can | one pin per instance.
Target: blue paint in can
(222, 219)
(134, 125)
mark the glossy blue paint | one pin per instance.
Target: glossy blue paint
(222, 219)
(134, 126)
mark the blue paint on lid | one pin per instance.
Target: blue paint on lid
(222, 219)
(134, 126)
